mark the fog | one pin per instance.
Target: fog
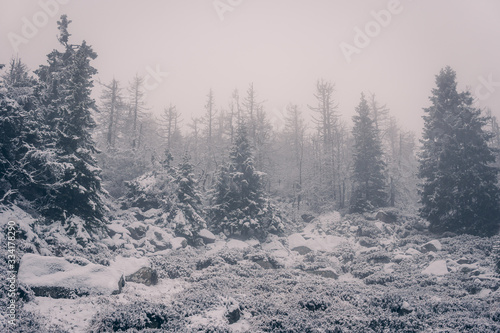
(390, 48)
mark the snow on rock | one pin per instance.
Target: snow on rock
(324, 272)
(72, 314)
(236, 244)
(253, 242)
(400, 257)
(276, 248)
(296, 240)
(207, 236)
(218, 246)
(145, 275)
(178, 242)
(432, 246)
(437, 267)
(413, 252)
(58, 278)
(127, 266)
(314, 242)
(118, 229)
(322, 223)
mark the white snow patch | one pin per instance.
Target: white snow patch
(72, 315)
(236, 244)
(178, 242)
(215, 317)
(484, 293)
(215, 247)
(35, 270)
(118, 228)
(437, 267)
(413, 252)
(128, 266)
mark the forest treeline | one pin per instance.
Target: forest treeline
(64, 155)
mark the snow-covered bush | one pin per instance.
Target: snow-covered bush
(174, 193)
(139, 316)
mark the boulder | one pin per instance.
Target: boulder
(145, 275)
(411, 251)
(432, 246)
(386, 217)
(302, 249)
(233, 313)
(405, 308)
(437, 267)
(324, 272)
(299, 244)
(467, 268)
(367, 242)
(264, 261)
(307, 217)
(236, 244)
(137, 230)
(464, 261)
(178, 243)
(207, 236)
(58, 278)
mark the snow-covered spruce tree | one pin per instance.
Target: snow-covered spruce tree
(368, 173)
(174, 192)
(188, 219)
(459, 191)
(154, 189)
(66, 104)
(241, 207)
(23, 157)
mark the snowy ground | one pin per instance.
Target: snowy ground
(353, 274)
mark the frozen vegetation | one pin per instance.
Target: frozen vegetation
(333, 274)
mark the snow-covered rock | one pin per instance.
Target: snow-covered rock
(432, 246)
(385, 217)
(236, 244)
(437, 267)
(58, 278)
(127, 266)
(252, 242)
(406, 308)
(413, 252)
(207, 236)
(178, 242)
(296, 240)
(324, 272)
(145, 275)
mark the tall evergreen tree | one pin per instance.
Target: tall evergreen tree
(65, 92)
(188, 220)
(240, 205)
(459, 191)
(368, 173)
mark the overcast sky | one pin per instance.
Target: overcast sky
(282, 46)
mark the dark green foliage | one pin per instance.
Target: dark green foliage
(240, 206)
(173, 190)
(368, 173)
(73, 187)
(460, 192)
(21, 139)
(190, 211)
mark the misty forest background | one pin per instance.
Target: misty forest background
(64, 154)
